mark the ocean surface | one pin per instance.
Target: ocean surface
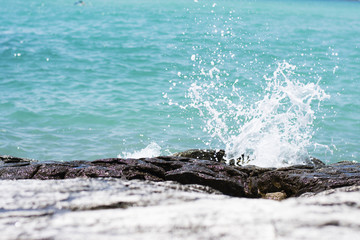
(276, 80)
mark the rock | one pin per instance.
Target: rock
(315, 162)
(239, 181)
(297, 180)
(275, 196)
(14, 161)
(213, 155)
(133, 209)
(354, 188)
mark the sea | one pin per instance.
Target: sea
(273, 82)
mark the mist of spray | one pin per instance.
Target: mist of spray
(276, 130)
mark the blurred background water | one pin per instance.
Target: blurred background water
(113, 78)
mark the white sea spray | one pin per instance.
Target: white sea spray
(275, 130)
(279, 127)
(151, 150)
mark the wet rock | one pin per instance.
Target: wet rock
(14, 161)
(208, 154)
(213, 155)
(297, 180)
(315, 162)
(240, 181)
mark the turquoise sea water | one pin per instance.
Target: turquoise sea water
(113, 78)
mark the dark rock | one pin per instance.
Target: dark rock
(216, 175)
(18, 172)
(51, 171)
(14, 161)
(241, 181)
(214, 155)
(297, 180)
(315, 162)
(11, 159)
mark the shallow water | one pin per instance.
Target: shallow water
(113, 78)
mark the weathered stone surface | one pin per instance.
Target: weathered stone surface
(23, 172)
(275, 196)
(122, 209)
(239, 181)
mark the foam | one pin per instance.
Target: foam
(151, 150)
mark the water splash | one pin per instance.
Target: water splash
(152, 150)
(279, 127)
(262, 120)
(275, 130)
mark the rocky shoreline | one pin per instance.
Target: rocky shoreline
(202, 167)
(192, 195)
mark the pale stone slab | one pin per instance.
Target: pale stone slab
(121, 209)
